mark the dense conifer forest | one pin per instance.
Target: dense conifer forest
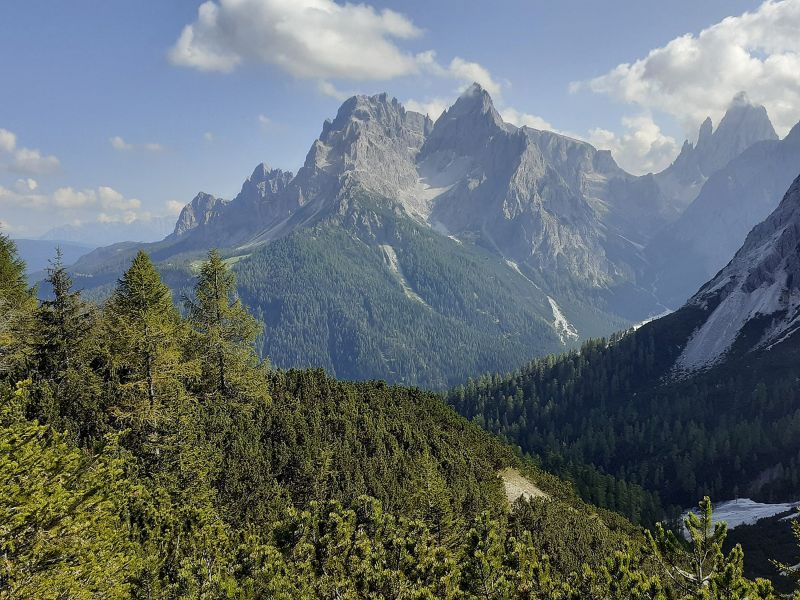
(646, 449)
(147, 452)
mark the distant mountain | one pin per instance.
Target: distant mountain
(730, 204)
(103, 234)
(755, 300)
(701, 402)
(506, 241)
(38, 253)
(743, 125)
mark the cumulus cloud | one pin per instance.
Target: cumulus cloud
(641, 148)
(433, 107)
(174, 207)
(118, 143)
(25, 161)
(311, 39)
(68, 199)
(695, 76)
(320, 40)
(8, 141)
(469, 72)
(24, 186)
(515, 117)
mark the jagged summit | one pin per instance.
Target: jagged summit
(743, 125)
(466, 125)
(761, 283)
(203, 209)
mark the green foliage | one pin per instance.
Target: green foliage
(699, 569)
(146, 334)
(224, 333)
(62, 533)
(194, 482)
(614, 418)
(329, 298)
(17, 304)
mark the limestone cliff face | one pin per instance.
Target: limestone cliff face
(761, 282)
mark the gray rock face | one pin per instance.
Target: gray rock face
(202, 210)
(761, 282)
(556, 207)
(713, 227)
(743, 125)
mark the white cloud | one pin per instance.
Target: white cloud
(8, 141)
(208, 136)
(695, 76)
(21, 160)
(174, 207)
(310, 39)
(520, 119)
(642, 148)
(15, 199)
(433, 107)
(23, 186)
(470, 72)
(68, 200)
(264, 121)
(327, 88)
(320, 40)
(67, 197)
(118, 143)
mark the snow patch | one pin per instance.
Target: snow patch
(745, 511)
(564, 329)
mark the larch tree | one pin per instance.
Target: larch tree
(224, 333)
(146, 334)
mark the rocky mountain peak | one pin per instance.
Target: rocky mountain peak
(761, 283)
(467, 124)
(705, 133)
(200, 211)
(743, 125)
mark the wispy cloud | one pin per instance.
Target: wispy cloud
(119, 143)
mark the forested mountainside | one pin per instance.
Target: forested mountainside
(703, 401)
(423, 252)
(145, 454)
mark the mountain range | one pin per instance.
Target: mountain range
(400, 237)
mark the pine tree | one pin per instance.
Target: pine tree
(224, 333)
(699, 569)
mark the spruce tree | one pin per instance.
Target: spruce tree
(224, 333)
(65, 386)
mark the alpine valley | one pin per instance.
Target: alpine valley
(425, 252)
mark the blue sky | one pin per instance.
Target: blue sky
(111, 110)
